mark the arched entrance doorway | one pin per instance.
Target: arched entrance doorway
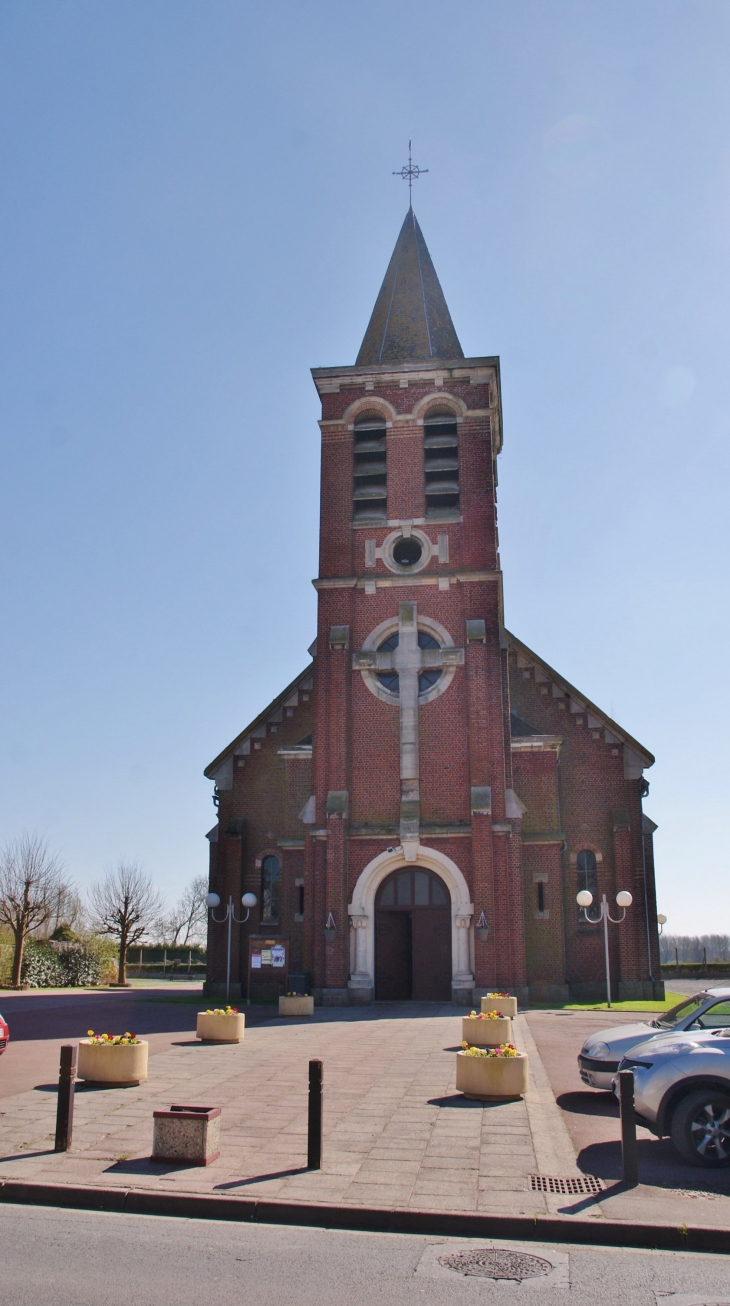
(413, 937)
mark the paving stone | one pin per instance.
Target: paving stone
(395, 1131)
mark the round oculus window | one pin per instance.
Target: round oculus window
(407, 552)
(433, 675)
(427, 677)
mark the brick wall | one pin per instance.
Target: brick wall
(572, 785)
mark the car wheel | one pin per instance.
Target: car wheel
(701, 1128)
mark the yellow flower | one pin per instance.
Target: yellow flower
(89, 1033)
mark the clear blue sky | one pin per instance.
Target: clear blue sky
(197, 206)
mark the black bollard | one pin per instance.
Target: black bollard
(314, 1121)
(629, 1153)
(65, 1105)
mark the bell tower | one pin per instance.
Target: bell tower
(411, 741)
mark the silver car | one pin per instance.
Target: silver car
(599, 1057)
(682, 1089)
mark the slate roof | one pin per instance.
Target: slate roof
(518, 727)
(411, 321)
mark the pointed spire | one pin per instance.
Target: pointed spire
(410, 321)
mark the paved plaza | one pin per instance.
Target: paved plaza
(396, 1132)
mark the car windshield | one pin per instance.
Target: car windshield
(682, 1011)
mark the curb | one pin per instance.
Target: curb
(520, 1228)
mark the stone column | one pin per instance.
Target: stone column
(360, 983)
(462, 983)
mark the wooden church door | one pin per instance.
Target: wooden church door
(413, 938)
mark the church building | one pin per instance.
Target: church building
(416, 812)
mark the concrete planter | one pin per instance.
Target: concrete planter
(486, 1033)
(221, 1029)
(299, 1006)
(187, 1135)
(112, 1063)
(508, 1006)
(484, 1077)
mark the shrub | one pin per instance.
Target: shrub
(6, 956)
(79, 966)
(109, 971)
(105, 951)
(64, 934)
(60, 965)
(41, 967)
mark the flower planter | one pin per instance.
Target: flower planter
(220, 1029)
(112, 1063)
(508, 1006)
(484, 1077)
(298, 1006)
(187, 1135)
(486, 1033)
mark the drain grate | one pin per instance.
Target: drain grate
(576, 1185)
(496, 1263)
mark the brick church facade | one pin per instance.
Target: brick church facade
(417, 810)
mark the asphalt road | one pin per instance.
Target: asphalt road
(81, 1258)
(40, 1022)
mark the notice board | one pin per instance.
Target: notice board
(268, 966)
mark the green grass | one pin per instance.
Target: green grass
(671, 1000)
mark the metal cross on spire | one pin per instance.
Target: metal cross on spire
(409, 172)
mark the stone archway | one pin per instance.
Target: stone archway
(362, 919)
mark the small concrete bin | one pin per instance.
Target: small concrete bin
(486, 1033)
(219, 1027)
(497, 1002)
(301, 1005)
(485, 1077)
(187, 1135)
(117, 1064)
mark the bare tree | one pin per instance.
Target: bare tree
(125, 905)
(186, 924)
(30, 885)
(68, 909)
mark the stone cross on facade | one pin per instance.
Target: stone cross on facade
(408, 660)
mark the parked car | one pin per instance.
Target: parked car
(682, 1089)
(4, 1034)
(599, 1057)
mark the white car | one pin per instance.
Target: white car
(682, 1089)
(599, 1057)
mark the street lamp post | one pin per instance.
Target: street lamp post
(624, 900)
(212, 901)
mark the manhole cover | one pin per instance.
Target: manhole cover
(496, 1263)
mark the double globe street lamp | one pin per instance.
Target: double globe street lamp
(624, 900)
(212, 901)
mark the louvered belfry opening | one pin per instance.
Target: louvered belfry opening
(370, 471)
(441, 464)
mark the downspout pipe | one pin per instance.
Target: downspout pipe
(563, 848)
(646, 891)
